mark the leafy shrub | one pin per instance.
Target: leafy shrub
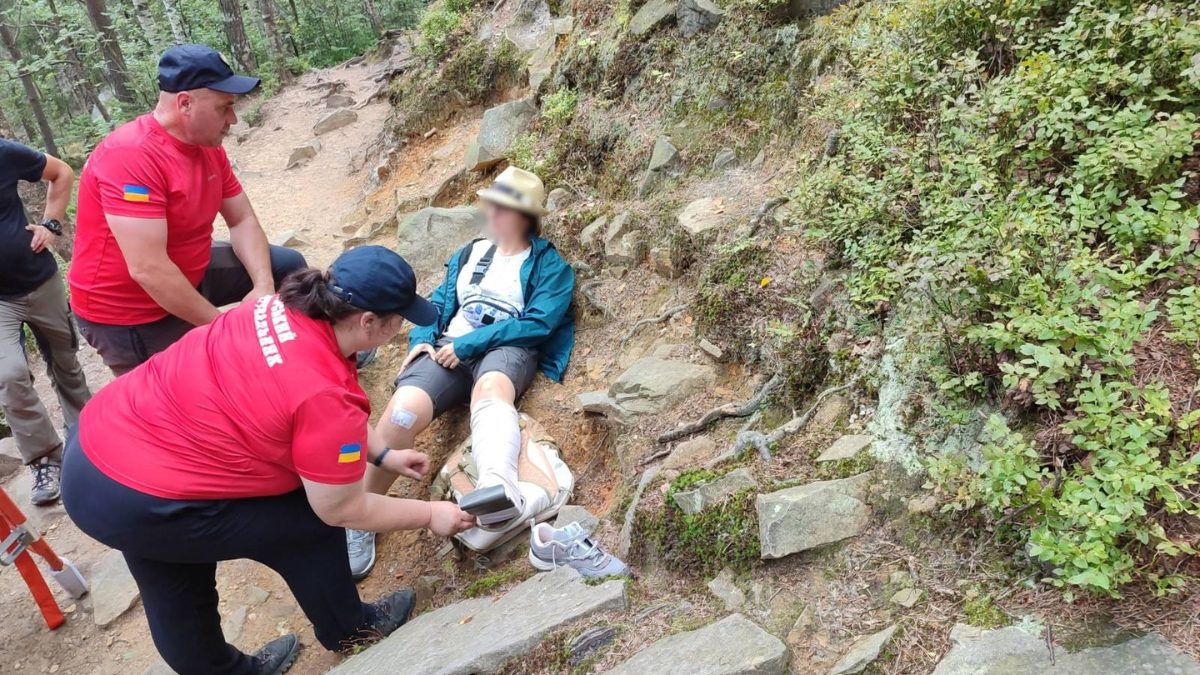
(723, 535)
(437, 28)
(1020, 165)
(558, 107)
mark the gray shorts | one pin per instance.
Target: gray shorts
(450, 388)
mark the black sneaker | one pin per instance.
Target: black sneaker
(392, 612)
(278, 655)
(45, 482)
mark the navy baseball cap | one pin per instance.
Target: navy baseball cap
(378, 280)
(187, 67)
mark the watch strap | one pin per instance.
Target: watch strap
(378, 461)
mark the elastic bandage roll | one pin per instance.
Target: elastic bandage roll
(496, 446)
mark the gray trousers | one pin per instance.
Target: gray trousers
(45, 312)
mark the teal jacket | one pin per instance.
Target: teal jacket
(547, 324)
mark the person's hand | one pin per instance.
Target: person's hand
(446, 356)
(259, 291)
(446, 519)
(423, 348)
(41, 238)
(407, 463)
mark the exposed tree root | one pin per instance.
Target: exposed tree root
(625, 539)
(586, 291)
(763, 442)
(720, 412)
(653, 320)
(761, 214)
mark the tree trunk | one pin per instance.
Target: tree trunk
(5, 126)
(118, 76)
(146, 20)
(75, 71)
(9, 39)
(171, 9)
(275, 39)
(235, 32)
(375, 18)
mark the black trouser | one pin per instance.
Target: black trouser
(172, 548)
(225, 282)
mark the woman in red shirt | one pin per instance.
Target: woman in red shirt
(248, 438)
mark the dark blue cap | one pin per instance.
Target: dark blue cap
(378, 280)
(187, 67)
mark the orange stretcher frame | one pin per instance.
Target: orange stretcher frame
(18, 548)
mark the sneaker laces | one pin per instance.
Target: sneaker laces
(578, 544)
(44, 475)
(355, 540)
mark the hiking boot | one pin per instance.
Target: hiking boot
(551, 548)
(45, 482)
(392, 612)
(366, 358)
(277, 655)
(361, 546)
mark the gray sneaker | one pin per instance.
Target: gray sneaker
(551, 548)
(361, 545)
(45, 482)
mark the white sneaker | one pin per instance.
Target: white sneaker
(551, 548)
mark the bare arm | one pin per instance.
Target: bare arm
(143, 243)
(249, 243)
(351, 506)
(61, 179)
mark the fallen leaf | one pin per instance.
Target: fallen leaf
(764, 282)
(688, 319)
(560, 398)
(466, 620)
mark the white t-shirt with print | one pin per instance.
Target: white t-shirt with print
(498, 296)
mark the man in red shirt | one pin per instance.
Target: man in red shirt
(146, 269)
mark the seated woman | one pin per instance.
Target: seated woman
(248, 438)
(504, 314)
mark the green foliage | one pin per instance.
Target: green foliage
(724, 535)
(980, 610)
(493, 581)
(1019, 166)
(558, 107)
(437, 29)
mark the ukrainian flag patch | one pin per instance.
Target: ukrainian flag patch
(351, 452)
(136, 193)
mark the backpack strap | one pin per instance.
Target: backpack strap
(482, 266)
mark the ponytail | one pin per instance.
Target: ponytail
(306, 291)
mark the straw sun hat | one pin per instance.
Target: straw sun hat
(517, 189)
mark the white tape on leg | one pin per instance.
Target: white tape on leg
(404, 418)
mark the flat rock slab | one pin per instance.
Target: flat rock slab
(863, 652)
(576, 514)
(1012, 651)
(731, 646)
(500, 126)
(846, 447)
(694, 501)
(805, 517)
(650, 15)
(113, 589)
(342, 117)
(480, 635)
(652, 385)
(727, 591)
(690, 453)
(702, 215)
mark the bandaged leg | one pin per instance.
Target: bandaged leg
(496, 446)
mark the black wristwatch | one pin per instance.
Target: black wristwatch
(53, 225)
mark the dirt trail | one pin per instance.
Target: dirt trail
(315, 201)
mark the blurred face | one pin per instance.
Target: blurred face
(206, 115)
(505, 223)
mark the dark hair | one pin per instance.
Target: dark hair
(305, 291)
(535, 225)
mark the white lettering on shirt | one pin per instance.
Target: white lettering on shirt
(263, 331)
(283, 330)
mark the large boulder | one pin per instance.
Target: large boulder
(807, 516)
(622, 241)
(1012, 651)
(342, 117)
(863, 653)
(480, 635)
(334, 101)
(587, 238)
(732, 646)
(691, 453)
(695, 16)
(724, 158)
(302, 154)
(712, 493)
(430, 236)
(651, 15)
(500, 127)
(652, 385)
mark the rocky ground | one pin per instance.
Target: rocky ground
(808, 553)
